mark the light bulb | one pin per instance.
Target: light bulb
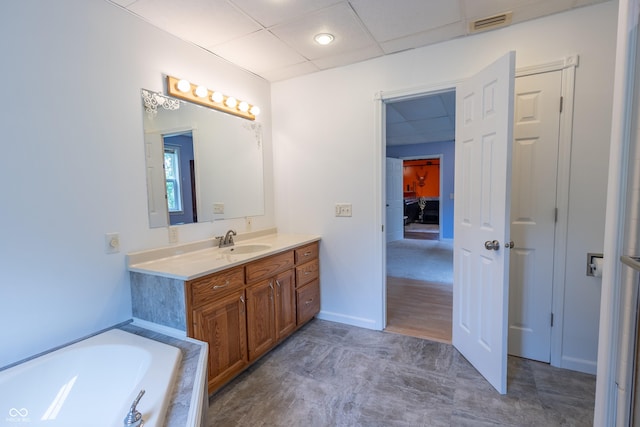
(324, 38)
(217, 97)
(243, 106)
(231, 102)
(255, 110)
(183, 85)
(202, 91)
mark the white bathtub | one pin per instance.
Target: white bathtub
(91, 383)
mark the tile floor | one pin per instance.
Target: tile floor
(330, 374)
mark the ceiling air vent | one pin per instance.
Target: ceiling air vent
(490, 22)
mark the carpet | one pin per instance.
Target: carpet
(427, 260)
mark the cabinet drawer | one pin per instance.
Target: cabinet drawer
(306, 253)
(269, 267)
(308, 301)
(209, 287)
(307, 272)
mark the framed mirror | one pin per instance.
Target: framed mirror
(201, 164)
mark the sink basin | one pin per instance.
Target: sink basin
(246, 249)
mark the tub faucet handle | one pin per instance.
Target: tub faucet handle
(134, 417)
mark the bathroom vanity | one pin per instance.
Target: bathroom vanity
(242, 300)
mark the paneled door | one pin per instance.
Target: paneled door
(484, 135)
(533, 213)
(395, 200)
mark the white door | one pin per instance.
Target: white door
(395, 203)
(484, 132)
(156, 180)
(533, 205)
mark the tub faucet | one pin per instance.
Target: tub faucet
(134, 417)
(227, 240)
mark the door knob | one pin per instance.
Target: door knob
(492, 245)
(509, 245)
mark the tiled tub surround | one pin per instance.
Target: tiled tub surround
(180, 399)
(158, 276)
(189, 401)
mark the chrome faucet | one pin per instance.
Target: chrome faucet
(227, 240)
(134, 417)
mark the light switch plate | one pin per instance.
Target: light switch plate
(173, 234)
(343, 209)
(218, 208)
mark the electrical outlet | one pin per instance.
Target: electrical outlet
(112, 243)
(248, 222)
(173, 234)
(343, 209)
(218, 208)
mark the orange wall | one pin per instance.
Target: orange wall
(421, 178)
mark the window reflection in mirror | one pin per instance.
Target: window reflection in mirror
(201, 164)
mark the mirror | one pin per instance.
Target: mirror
(202, 164)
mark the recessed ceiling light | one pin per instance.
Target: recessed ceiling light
(324, 38)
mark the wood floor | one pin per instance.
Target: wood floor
(419, 309)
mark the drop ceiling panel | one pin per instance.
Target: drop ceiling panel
(399, 129)
(421, 108)
(434, 124)
(338, 20)
(392, 115)
(284, 73)
(541, 8)
(273, 12)
(203, 22)
(259, 52)
(482, 8)
(348, 57)
(436, 35)
(388, 20)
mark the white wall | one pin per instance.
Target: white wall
(324, 152)
(72, 163)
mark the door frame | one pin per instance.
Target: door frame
(568, 67)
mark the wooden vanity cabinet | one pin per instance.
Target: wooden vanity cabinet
(217, 315)
(245, 311)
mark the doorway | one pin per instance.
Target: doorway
(420, 136)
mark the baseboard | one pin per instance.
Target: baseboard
(580, 365)
(349, 320)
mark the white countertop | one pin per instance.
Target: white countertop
(200, 262)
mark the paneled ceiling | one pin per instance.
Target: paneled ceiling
(430, 118)
(275, 38)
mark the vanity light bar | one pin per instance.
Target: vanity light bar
(182, 89)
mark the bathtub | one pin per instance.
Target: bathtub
(91, 383)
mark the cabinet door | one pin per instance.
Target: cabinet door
(285, 303)
(222, 324)
(261, 319)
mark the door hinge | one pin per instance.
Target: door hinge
(555, 215)
(552, 320)
(561, 103)
(383, 228)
